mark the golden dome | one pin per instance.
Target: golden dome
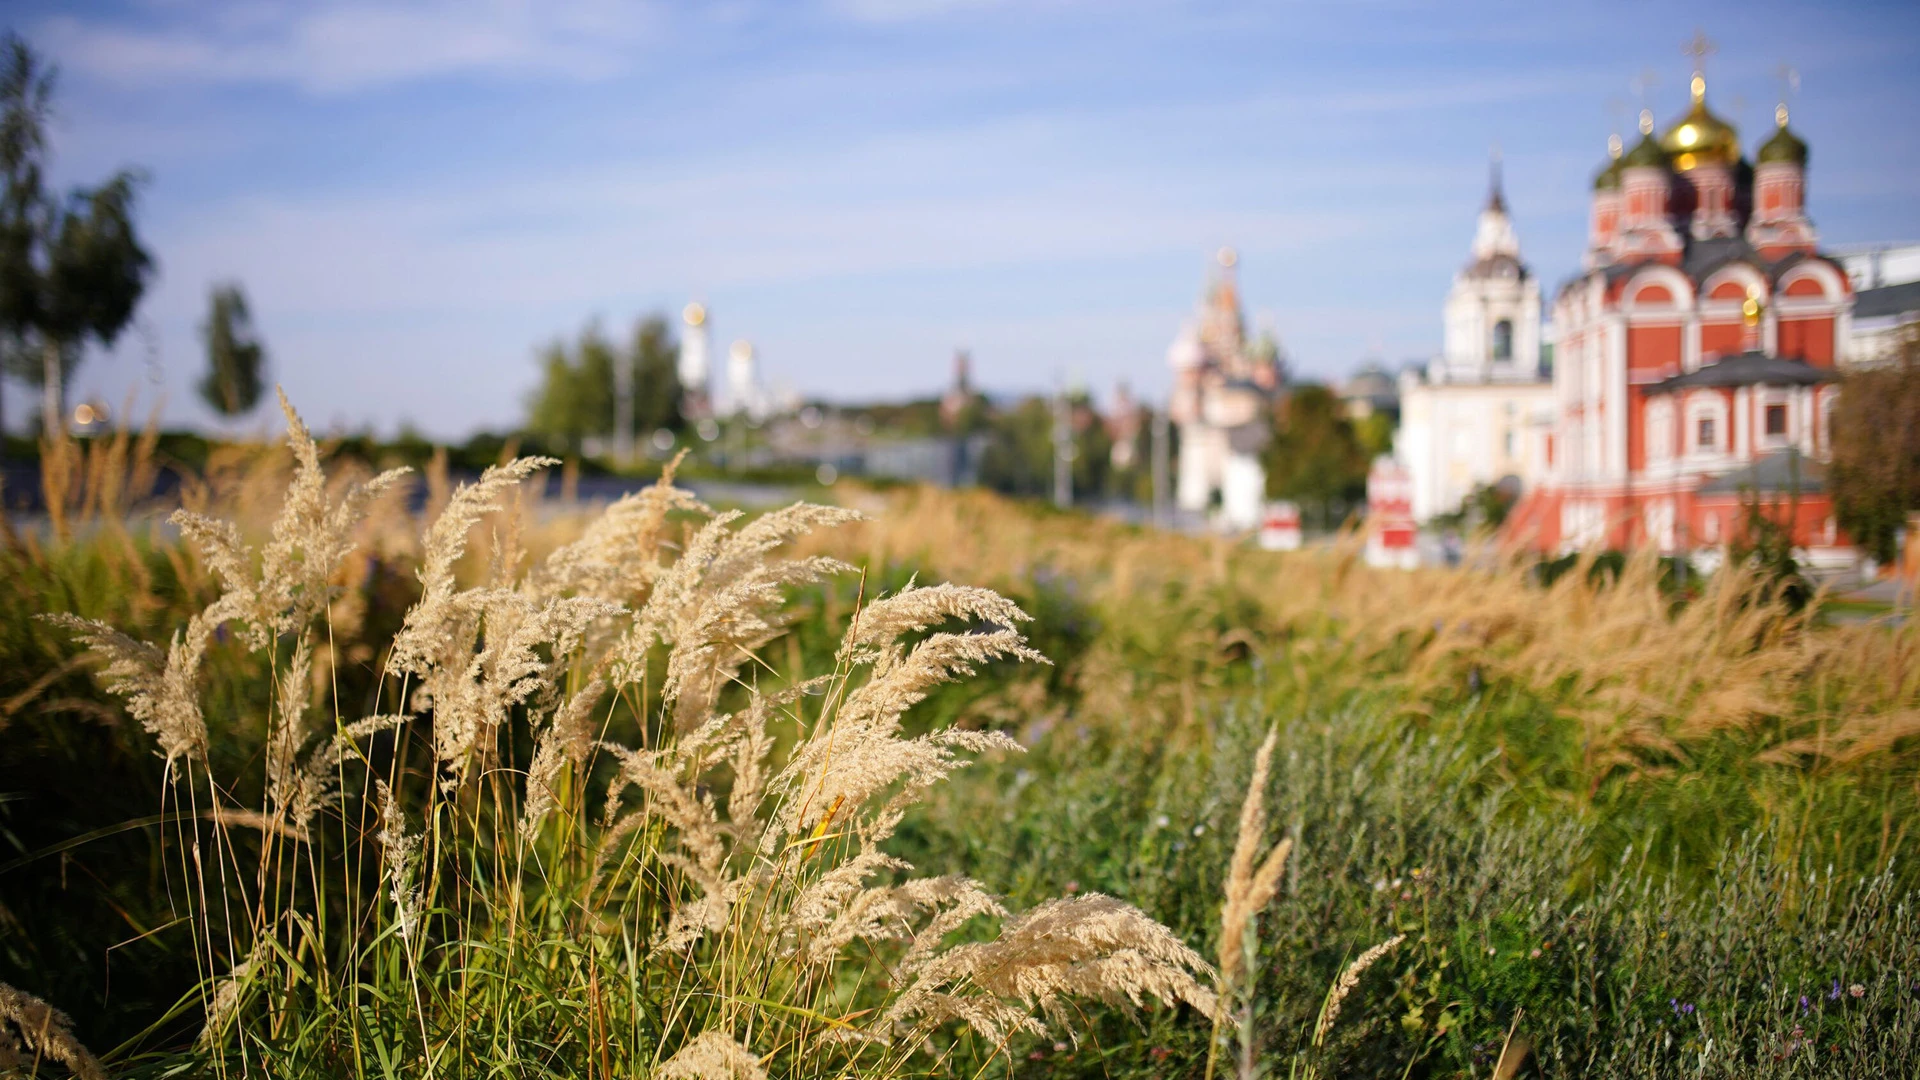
(1699, 137)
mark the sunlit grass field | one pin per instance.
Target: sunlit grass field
(502, 786)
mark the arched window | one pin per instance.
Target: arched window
(1503, 340)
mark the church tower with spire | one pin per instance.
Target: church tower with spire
(1493, 312)
(1479, 413)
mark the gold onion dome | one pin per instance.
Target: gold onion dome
(1785, 145)
(1699, 137)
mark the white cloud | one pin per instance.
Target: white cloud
(343, 48)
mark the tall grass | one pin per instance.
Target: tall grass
(586, 831)
(505, 787)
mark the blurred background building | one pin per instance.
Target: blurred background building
(1482, 411)
(1223, 397)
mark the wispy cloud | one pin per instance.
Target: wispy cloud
(335, 49)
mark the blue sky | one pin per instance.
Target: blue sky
(417, 196)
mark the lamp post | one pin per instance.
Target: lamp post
(1062, 450)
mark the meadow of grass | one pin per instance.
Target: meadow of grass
(428, 804)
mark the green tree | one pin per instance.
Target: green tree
(1018, 459)
(575, 398)
(560, 408)
(236, 359)
(655, 357)
(71, 269)
(1875, 475)
(1315, 457)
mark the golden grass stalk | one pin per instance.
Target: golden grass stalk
(1349, 979)
(32, 1032)
(712, 1055)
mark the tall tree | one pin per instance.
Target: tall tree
(71, 269)
(1316, 458)
(655, 357)
(1875, 475)
(236, 359)
(576, 400)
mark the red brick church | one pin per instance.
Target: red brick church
(1694, 371)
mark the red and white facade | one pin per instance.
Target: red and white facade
(1693, 374)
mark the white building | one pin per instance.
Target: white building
(1886, 305)
(1483, 410)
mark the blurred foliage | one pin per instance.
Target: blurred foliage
(1875, 475)
(576, 395)
(1316, 457)
(236, 359)
(72, 268)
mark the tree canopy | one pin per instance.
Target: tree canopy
(1875, 475)
(574, 400)
(1316, 457)
(236, 359)
(72, 267)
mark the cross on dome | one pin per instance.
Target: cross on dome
(1700, 47)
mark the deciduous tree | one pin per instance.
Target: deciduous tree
(1875, 475)
(72, 269)
(236, 359)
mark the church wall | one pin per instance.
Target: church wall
(1653, 350)
(1810, 339)
(1721, 339)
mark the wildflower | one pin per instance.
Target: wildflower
(1834, 994)
(1534, 955)
(1161, 822)
(1857, 990)
(1200, 830)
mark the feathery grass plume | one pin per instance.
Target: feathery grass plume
(309, 539)
(287, 784)
(1349, 979)
(711, 1055)
(32, 1031)
(720, 601)
(403, 859)
(1081, 946)
(676, 801)
(617, 556)
(566, 740)
(472, 695)
(1249, 890)
(442, 622)
(160, 689)
(227, 994)
(845, 763)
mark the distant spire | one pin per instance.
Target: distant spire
(1496, 198)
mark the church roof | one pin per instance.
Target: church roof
(1784, 146)
(1887, 300)
(1746, 369)
(1781, 472)
(1703, 258)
